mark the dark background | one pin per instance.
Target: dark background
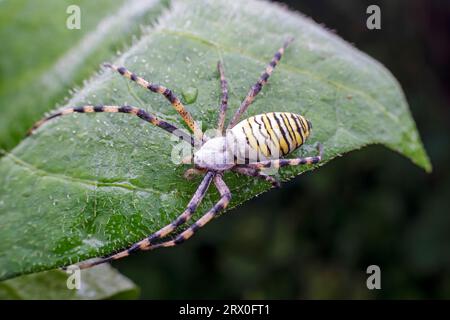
(315, 237)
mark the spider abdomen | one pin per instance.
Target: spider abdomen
(267, 136)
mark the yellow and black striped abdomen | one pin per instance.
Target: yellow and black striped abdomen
(268, 136)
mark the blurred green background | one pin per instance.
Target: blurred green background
(315, 237)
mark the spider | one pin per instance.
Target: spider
(247, 147)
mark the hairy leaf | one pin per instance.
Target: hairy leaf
(86, 185)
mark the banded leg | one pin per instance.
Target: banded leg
(167, 93)
(225, 197)
(223, 99)
(141, 113)
(251, 172)
(256, 88)
(143, 244)
(288, 162)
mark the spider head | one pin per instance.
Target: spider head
(213, 155)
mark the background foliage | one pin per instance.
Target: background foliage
(371, 207)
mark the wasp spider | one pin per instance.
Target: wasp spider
(247, 147)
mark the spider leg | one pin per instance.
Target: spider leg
(256, 88)
(141, 113)
(223, 100)
(252, 172)
(167, 93)
(288, 162)
(143, 244)
(225, 197)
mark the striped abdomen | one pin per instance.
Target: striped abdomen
(268, 136)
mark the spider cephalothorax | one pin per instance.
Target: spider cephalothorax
(247, 147)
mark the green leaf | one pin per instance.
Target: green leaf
(86, 185)
(43, 65)
(96, 283)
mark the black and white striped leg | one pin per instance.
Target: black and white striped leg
(288, 162)
(256, 88)
(141, 113)
(167, 93)
(252, 172)
(223, 99)
(143, 244)
(225, 197)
